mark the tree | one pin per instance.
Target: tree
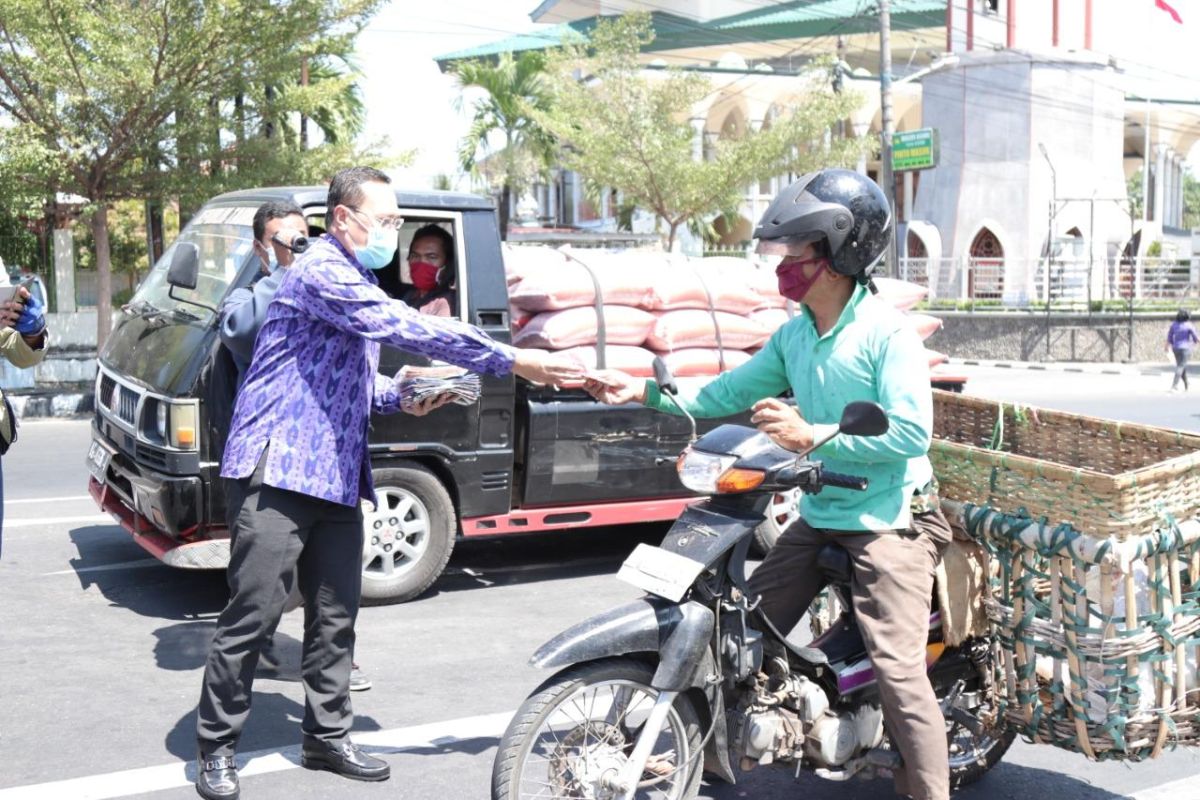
(128, 99)
(1191, 200)
(622, 129)
(514, 91)
(1191, 197)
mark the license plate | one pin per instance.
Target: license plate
(660, 572)
(98, 458)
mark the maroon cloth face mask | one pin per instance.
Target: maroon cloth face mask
(792, 282)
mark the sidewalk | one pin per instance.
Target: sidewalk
(62, 402)
(1088, 367)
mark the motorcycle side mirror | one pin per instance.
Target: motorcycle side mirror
(666, 384)
(184, 271)
(863, 419)
(858, 419)
(664, 378)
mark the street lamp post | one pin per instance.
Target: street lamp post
(1049, 236)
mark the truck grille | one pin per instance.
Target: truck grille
(151, 456)
(127, 407)
(107, 385)
(119, 401)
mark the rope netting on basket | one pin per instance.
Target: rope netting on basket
(1096, 637)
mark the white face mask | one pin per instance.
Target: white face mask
(272, 260)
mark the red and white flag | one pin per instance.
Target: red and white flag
(1162, 4)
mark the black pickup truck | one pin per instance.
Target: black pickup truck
(524, 458)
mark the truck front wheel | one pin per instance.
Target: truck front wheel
(408, 538)
(783, 511)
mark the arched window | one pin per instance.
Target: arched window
(986, 278)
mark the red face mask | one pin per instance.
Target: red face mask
(793, 284)
(424, 275)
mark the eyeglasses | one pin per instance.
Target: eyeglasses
(392, 223)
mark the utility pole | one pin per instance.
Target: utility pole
(886, 178)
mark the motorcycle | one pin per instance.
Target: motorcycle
(652, 694)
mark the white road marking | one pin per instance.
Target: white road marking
(261, 762)
(29, 523)
(1182, 789)
(48, 499)
(140, 563)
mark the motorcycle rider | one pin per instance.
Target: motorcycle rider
(829, 229)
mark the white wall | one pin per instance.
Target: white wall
(991, 111)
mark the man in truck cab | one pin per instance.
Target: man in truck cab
(431, 265)
(297, 465)
(279, 229)
(830, 228)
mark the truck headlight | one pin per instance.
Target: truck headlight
(160, 421)
(181, 426)
(706, 473)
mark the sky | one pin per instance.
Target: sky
(407, 97)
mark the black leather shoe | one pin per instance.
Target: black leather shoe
(346, 759)
(216, 778)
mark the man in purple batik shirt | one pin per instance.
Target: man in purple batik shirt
(296, 465)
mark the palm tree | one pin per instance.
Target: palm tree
(514, 87)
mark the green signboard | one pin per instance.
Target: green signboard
(914, 150)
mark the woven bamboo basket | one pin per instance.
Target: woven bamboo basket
(1096, 639)
(1103, 477)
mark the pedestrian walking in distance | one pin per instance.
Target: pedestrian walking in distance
(1181, 338)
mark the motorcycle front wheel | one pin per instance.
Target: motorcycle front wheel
(571, 738)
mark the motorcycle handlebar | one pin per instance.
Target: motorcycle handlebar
(841, 481)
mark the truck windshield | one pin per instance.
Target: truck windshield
(225, 239)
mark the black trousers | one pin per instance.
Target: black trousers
(278, 537)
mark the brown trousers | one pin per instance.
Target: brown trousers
(891, 588)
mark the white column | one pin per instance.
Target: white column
(908, 196)
(860, 130)
(1160, 178)
(1177, 190)
(64, 270)
(697, 138)
(1168, 187)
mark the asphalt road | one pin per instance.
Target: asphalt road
(102, 648)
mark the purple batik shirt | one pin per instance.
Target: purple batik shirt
(312, 384)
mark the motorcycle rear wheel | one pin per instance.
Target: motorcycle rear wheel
(973, 755)
(578, 728)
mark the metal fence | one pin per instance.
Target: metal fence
(1014, 282)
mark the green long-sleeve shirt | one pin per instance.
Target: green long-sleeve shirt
(872, 354)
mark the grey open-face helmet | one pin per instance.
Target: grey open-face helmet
(845, 209)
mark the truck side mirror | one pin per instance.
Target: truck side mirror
(184, 271)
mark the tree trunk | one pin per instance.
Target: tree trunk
(268, 127)
(671, 237)
(103, 274)
(154, 230)
(505, 211)
(304, 117)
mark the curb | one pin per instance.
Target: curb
(53, 404)
(1057, 366)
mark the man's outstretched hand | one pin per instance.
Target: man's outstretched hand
(547, 368)
(613, 387)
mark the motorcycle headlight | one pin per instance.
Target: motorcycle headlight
(706, 473)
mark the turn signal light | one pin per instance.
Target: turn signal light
(733, 481)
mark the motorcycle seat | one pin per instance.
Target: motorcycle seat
(834, 563)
